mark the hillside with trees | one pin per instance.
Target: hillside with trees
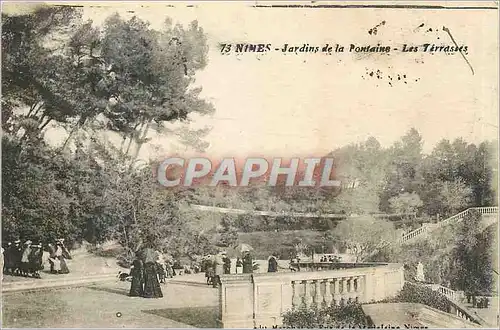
(125, 80)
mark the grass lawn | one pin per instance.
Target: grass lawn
(200, 317)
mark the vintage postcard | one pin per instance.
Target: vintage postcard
(254, 164)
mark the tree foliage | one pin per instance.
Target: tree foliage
(123, 77)
(365, 235)
(472, 256)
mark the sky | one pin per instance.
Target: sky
(284, 105)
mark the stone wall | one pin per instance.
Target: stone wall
(259, 300)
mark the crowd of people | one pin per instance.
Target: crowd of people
(26, 259)
(220, 264)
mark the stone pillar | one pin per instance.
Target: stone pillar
(236, 302)
(273, 296)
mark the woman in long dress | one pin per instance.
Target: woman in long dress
(58, 258)
(137, 273)
(35, 260)
(64, 254)
(25, 265)
(152, 287)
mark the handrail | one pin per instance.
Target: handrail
(456, 217)
(452, 297)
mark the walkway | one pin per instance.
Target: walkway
(107, 305)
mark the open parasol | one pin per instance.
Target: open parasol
(243, 247)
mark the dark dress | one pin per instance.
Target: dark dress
(65, 255)
(272, 265)
(35, 261)
(152, 287)
(10, 264)
(16, 254)
(247, 264)
(151, 284)
(227, 265)
(137, 273)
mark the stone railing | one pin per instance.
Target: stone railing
(485, 211)
(259, 300)
(455, 298)
(452, 295)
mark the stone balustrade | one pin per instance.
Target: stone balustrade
(259, 300)
(447, 292)
(487, 212)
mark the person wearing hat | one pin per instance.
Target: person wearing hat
(219, 269)
(52, 262)
(35, 260)
(247, 263)
(209, 270)
(25, 265)
(227, 263)
(239, 266)
(152, 287)
(272, 264)
(63, 254)
(58, 254)
(137, 273)
(16, 254)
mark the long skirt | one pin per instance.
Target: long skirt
(55, 265)
(151, 284)
(137, 286)
(64, 266)
(25, 267)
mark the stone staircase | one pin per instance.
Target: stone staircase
(414, 315)
(490, 216)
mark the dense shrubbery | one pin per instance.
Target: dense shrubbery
(348, 315)
(421, 295)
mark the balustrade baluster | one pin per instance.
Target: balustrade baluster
(336, 292)
(296, 299)
(307, 294)
(317, 296)
(328, 293)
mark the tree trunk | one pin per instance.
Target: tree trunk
(46, 123)
(129, 144)
(73, 130)
(141, 141)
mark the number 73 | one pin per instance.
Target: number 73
(225, 48)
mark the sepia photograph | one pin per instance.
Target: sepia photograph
(250, 164)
